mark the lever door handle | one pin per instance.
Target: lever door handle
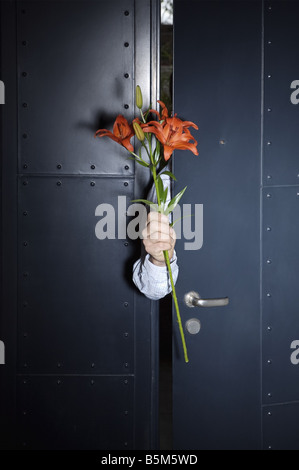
(192, 299)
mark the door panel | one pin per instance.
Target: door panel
(240, 390)
(281, 165)
(80, 368)
(62, 78)
(281, 296)
(69, 423)
(66, 321)
(281, 427)
(217, 395)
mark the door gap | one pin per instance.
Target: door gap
(165, 384)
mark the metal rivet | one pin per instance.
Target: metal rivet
(25, 243)
(25, 365)
(126, 304)
(92, 167)
(24, 74)
(126, 444)
(269, 177)
(269, 143)
(222, 142)
(126, 106)
(269, 362)
(270, 8)
(126, 365)
(269, 328)
(297, 194)
(25, 136)
(92, 382)
(269, 413)
(127, 13)
(269, 229)
(269, 395)
(24, 43)
(270, 448)
(126, 335)
(58, 183)
(25, 183)
(126, 413)
(25, 213)
(269, 295)
(25, 166)
(269, 196)
(25, 105)
(126, 44)
(58, 382)
(269, 110)
(126, 184)
(93, 365)
(24, 382)
(58, 365)
(126, 75)
(24, 413)
(126, 244)
(269, 261)
(269, 42)
(126, 382)
(92, 184)
(127, 167)
(59, 167)
(269, 76)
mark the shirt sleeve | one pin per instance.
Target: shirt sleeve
(153, 281)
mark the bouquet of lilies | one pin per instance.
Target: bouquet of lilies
(159, 138)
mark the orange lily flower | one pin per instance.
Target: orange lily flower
(173, 134)
(165, 113)
(122, 133)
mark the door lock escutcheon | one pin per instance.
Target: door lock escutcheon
(193, 326)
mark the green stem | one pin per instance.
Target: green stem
(179, 320)
(167, 260)
(154, 172)
(142, 116)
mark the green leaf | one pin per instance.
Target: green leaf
(142, 163)
(165, 194)
(149, 203)
(171, 175)
(174, 202)
(157, 151)
(161, 189)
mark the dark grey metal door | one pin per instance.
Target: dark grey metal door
(80, 348)
(235, 76)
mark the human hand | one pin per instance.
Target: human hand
(158, 236)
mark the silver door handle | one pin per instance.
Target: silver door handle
(192, 299)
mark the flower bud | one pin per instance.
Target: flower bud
(139, 98)
(138, 131)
